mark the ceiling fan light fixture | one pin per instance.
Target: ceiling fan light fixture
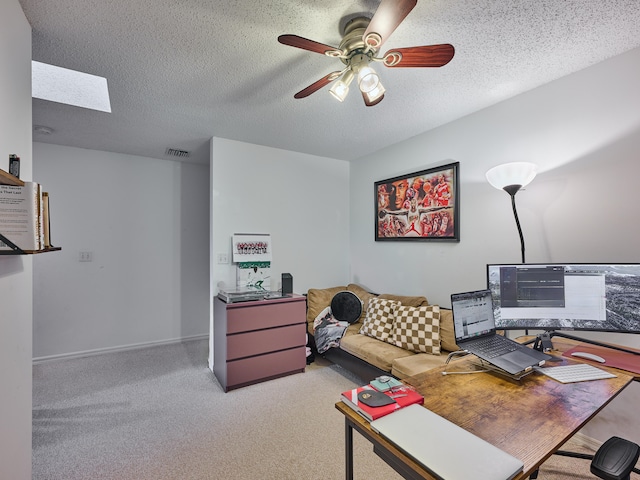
(368, 79)
(363, 35)
(375, 94)
(340, 89)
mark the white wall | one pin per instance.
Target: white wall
(584, 133)
(15, 271)
(146, 222)
(301, 200)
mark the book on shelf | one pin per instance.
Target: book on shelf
(21, 216)
(39, 224)
(399, 397)
(46, 223)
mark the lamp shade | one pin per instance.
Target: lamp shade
(367, 79)
(374, 94)
(508, 174)
(340, 89)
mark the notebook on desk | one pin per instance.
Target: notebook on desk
(475, 330)
(445, 449)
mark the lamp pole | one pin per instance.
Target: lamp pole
(512, 190)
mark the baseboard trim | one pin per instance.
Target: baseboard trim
(122, 348)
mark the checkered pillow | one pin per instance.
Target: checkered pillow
(378, 323)
(417, 329)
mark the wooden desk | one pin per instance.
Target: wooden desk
(529, 419)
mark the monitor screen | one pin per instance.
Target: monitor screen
(596, 297)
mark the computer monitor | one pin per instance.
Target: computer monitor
(576, 296)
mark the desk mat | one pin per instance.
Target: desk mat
(613, 358)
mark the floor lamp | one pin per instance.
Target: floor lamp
(511, 177)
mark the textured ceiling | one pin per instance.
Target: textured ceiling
(182, 71)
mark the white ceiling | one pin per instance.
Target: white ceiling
(182, 71)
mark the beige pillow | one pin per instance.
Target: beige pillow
(417, 329)
(378, 323)
(447, 335)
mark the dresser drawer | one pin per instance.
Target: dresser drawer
(256, 368)
(264, 341)
(257, 317)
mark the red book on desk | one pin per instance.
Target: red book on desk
(403, 396)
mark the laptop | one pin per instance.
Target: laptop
(445, 449)
(475, 330)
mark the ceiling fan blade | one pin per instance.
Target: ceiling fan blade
(388, 16)
(371, 103)
(310, 45)
(314, 87)
(426, 56)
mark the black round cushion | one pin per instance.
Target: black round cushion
(346, 306)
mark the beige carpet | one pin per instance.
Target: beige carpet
(159, 414)
(559, 468)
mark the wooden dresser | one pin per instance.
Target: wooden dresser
(258, 340)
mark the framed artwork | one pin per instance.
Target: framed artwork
(251, 247)
(420, 206)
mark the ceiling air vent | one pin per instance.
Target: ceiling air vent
(176, 152)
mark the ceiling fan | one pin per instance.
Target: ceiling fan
(362, 39)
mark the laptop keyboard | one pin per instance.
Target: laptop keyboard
(493, 346)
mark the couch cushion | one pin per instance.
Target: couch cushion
(417, 329)
(447, 335)
(353, 329)
(404, 300)
(380, 319)
(318, 299)
(375, 352)
(403, 367)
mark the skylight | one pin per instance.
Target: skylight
(71, 87)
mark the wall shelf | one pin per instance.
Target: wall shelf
(29, 252)
(16, 250)
(8, 179)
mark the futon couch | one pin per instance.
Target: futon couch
(394, 334)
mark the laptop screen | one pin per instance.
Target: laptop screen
(472, 314)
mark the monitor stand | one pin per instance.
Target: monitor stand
(543, 342)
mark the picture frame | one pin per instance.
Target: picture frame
(420, 206)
